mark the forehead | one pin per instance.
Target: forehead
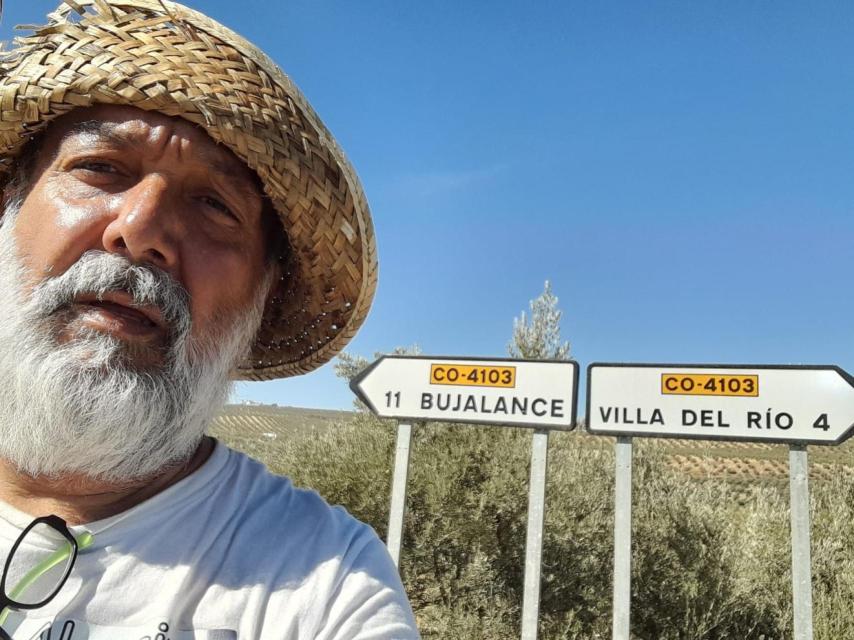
(147, 132)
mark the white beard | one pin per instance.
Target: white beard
(80, 406)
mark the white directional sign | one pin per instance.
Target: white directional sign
(533, 393)
(795, 404)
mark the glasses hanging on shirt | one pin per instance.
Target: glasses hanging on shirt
(38, 565)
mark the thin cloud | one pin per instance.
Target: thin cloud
(436, 183)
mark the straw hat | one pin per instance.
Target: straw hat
(161, 56)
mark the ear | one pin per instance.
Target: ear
(6, 193)
(9, 191)
(272, 276)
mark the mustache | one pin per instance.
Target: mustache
(97, 273)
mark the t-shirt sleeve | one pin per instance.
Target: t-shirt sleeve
(371, 603)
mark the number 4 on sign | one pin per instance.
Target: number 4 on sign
(821, 423)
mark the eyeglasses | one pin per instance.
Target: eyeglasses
(38, 573)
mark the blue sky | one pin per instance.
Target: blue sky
(683, 172)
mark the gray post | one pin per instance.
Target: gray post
(398, 491)
(799, 506)
(622, 537)
(534, 539)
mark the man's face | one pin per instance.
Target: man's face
(157, 191)
(135, 280)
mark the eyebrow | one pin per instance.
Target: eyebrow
(104, 130)
(109, 132)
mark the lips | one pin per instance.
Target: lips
(118, 311)
(122, 311)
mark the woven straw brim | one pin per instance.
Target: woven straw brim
(162, 56)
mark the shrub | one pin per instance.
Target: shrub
(708, 562)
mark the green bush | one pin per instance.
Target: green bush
(350, 465)
(708, 561)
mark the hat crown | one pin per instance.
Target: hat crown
(162, 56)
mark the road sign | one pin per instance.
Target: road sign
(768, 403)
(533, 393)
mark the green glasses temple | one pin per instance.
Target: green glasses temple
(84, 540)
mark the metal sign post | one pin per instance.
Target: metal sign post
(622, 537)
(539, 394)
(534, 538)
(799, 504)
(796, 405)
(398, 491)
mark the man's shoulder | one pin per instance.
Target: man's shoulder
(261, 503)
(291, 536)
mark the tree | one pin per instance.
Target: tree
(348, 366)
(539, 338)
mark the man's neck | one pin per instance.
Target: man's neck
(80, 499)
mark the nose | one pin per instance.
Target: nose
(142, 227)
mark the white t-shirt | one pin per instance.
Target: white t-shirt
(229, 552)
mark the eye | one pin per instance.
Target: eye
(96, 166)
(218, 205)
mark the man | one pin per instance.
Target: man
(175, 216)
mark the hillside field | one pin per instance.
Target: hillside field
(258, 428)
